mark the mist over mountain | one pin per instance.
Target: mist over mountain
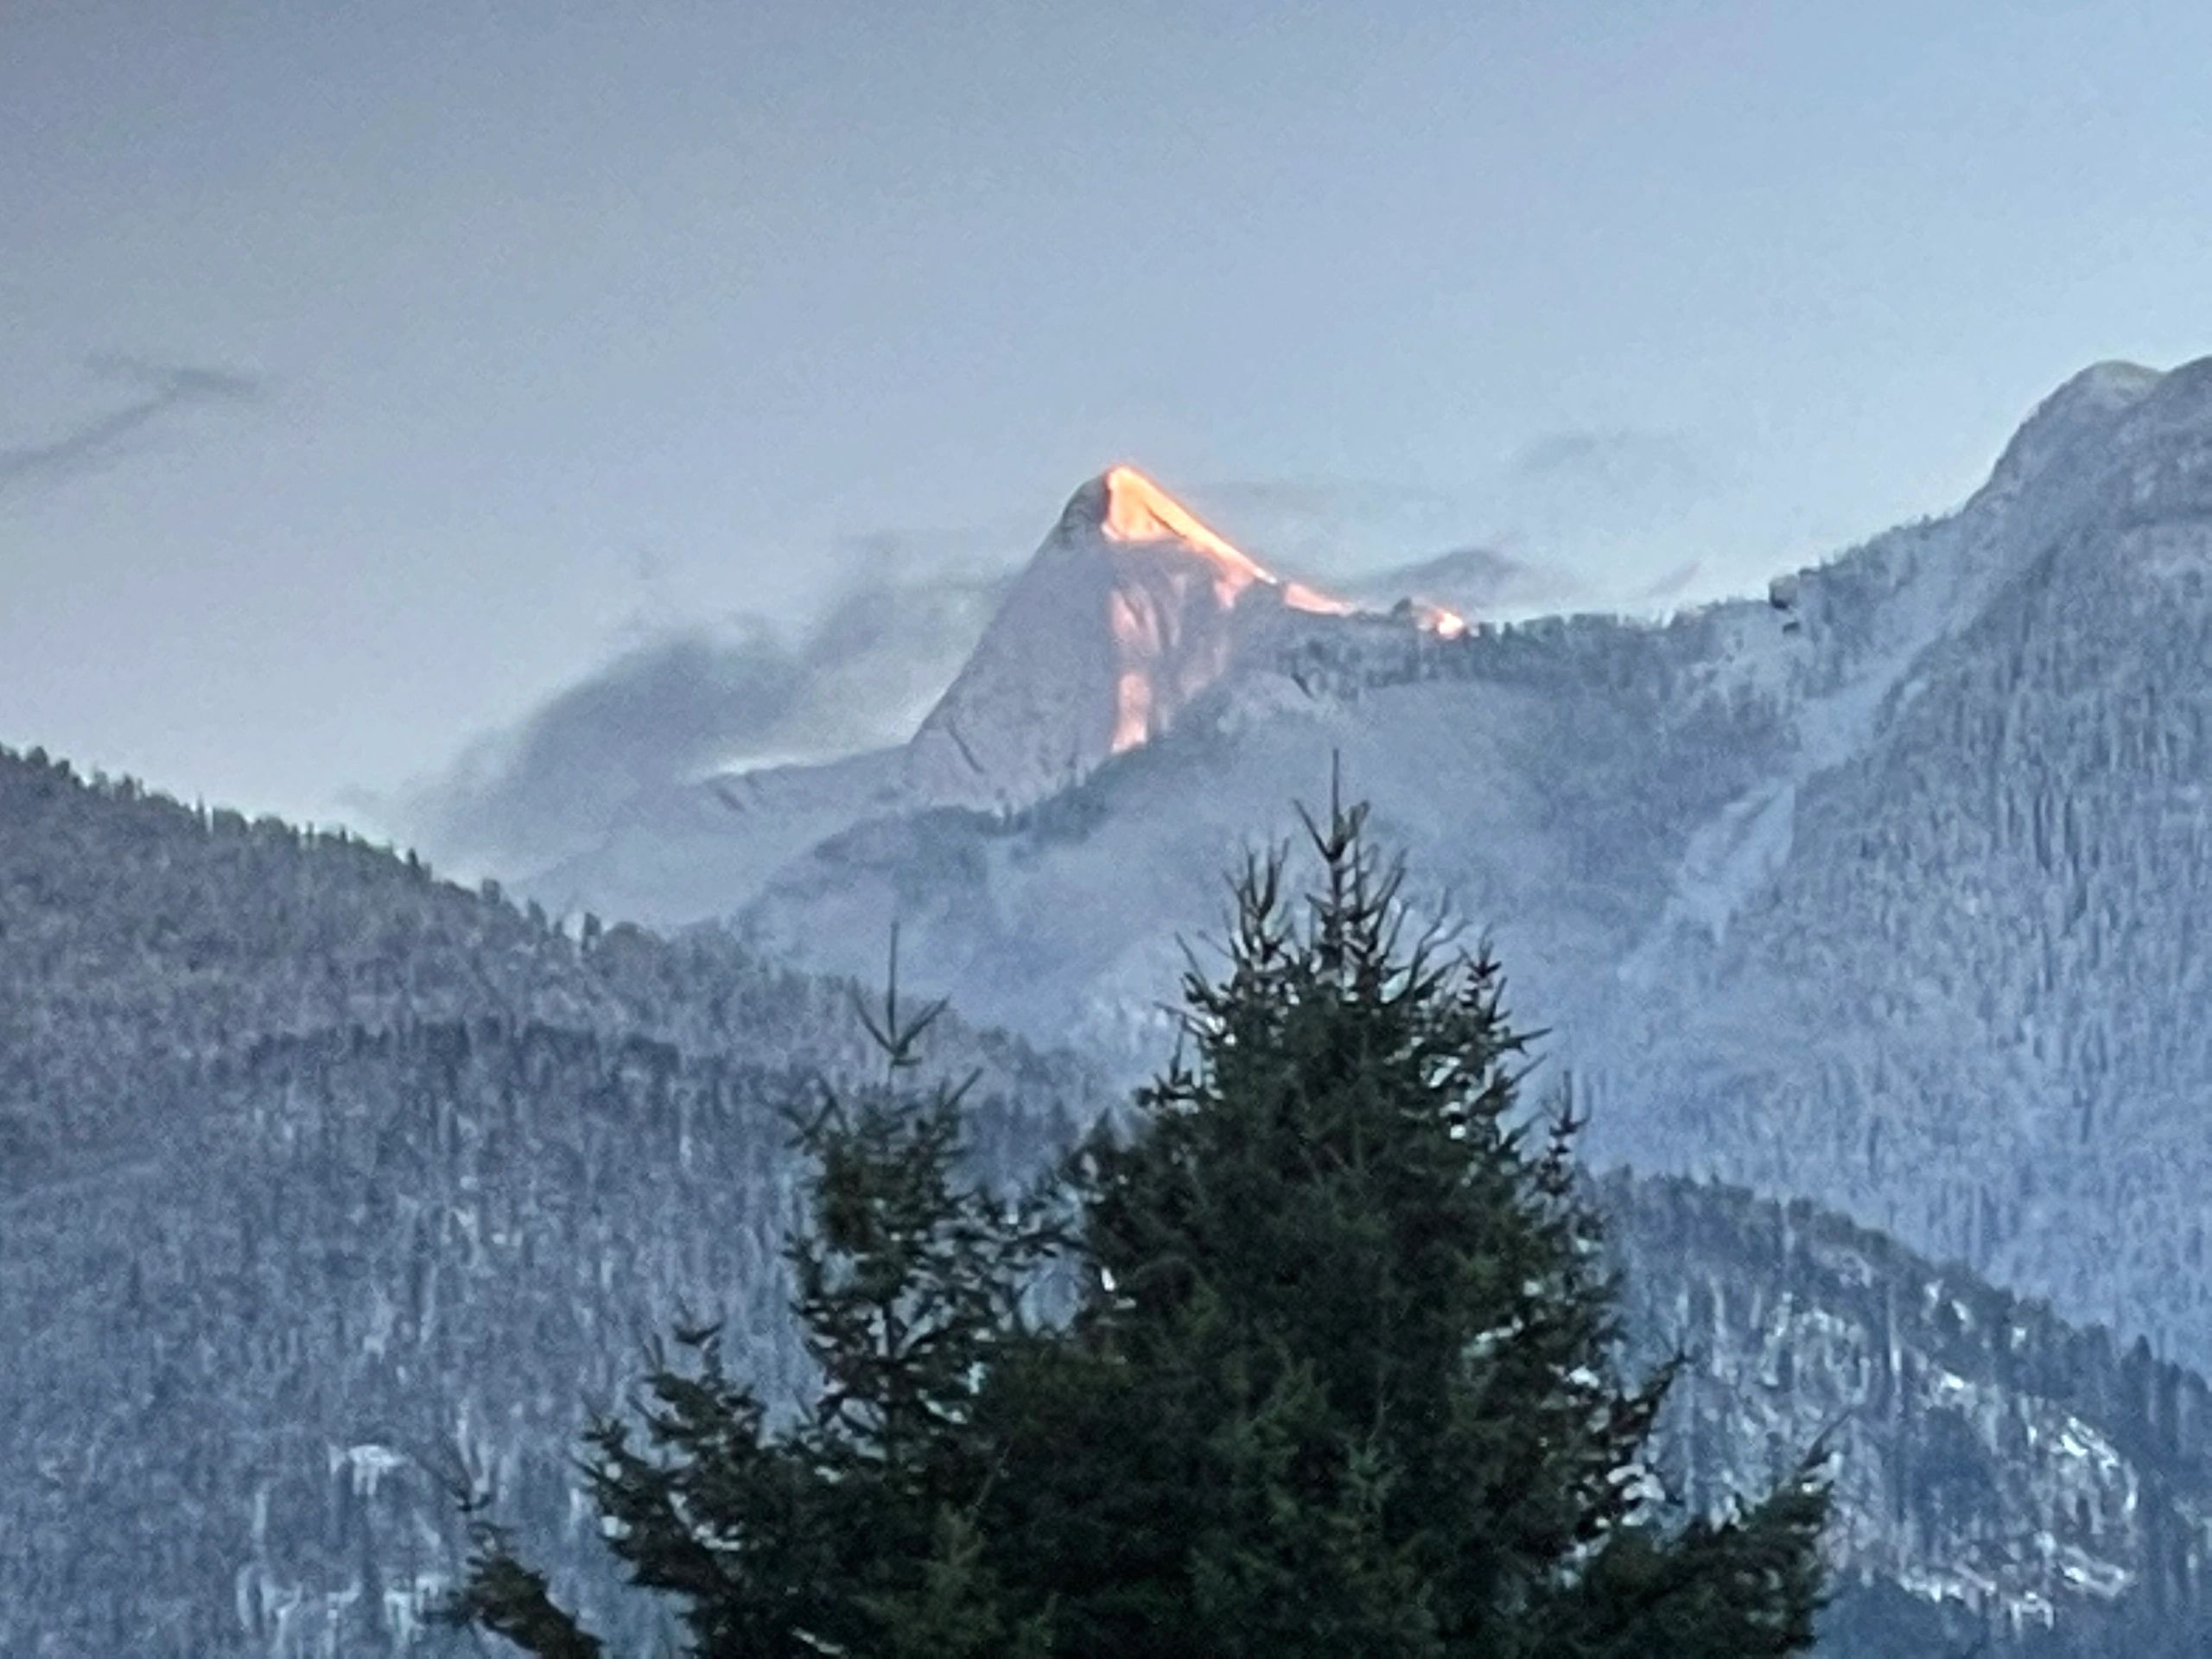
(687, 700)
(1067, 832)
(690, 700)
(1478, 583)
(328, 1184)
(1865, 916)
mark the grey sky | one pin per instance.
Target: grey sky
(371, 372)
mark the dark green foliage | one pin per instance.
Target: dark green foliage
(1341, 1379)
(1346, 1380)
(140, 939)
(847, 1531)
(507, 1599)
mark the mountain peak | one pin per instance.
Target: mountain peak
(1134, 509)
(1122, 505)
(1131, 609)
(2083, 407)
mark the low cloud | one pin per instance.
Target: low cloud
(1577, 518)
(1325, 497)
(163, 391)
(1621, 454)
(685, 702)
(1478, 582)
(1673, 585)
(645, 719)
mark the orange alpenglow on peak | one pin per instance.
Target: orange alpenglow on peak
(1137, 510)
(1132, 508)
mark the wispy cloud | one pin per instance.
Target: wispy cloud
(1322, 498)
(1672, 584)
(162, 392)
(1475, 582)
(684, 701)
(1589, 515)
(684, 697)
(1627, 512)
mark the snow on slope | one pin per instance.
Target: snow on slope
(461, 1152)
(1966, 1005)
(1888, 890)
(1130, 610)
(1535, 776)
(1871, 616)
(1134, 614)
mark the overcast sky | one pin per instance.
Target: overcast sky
(372, 374)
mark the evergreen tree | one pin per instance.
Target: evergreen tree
(1339, 1379)
(848, 1531)
(1343, 1382)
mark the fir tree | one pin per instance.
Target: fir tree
(848, 1531)
(1340, 1379)
(1344, 1382)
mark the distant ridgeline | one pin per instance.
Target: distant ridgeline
(137, 931)
(328, 1189)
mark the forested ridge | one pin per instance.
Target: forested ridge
(333, 1188)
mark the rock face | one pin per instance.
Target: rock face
(1130, 611)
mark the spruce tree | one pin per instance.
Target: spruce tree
(849, 1530)
(1344, 1377)
(1340, 1377)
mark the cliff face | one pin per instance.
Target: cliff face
(1130, 611)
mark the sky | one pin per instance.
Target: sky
(382, 385)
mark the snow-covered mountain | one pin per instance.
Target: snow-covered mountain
(1130, 611)
(1886, 889)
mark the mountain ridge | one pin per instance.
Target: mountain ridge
(428, 1166)
(1884, 890)
(1130, 610)
(1045, 695)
